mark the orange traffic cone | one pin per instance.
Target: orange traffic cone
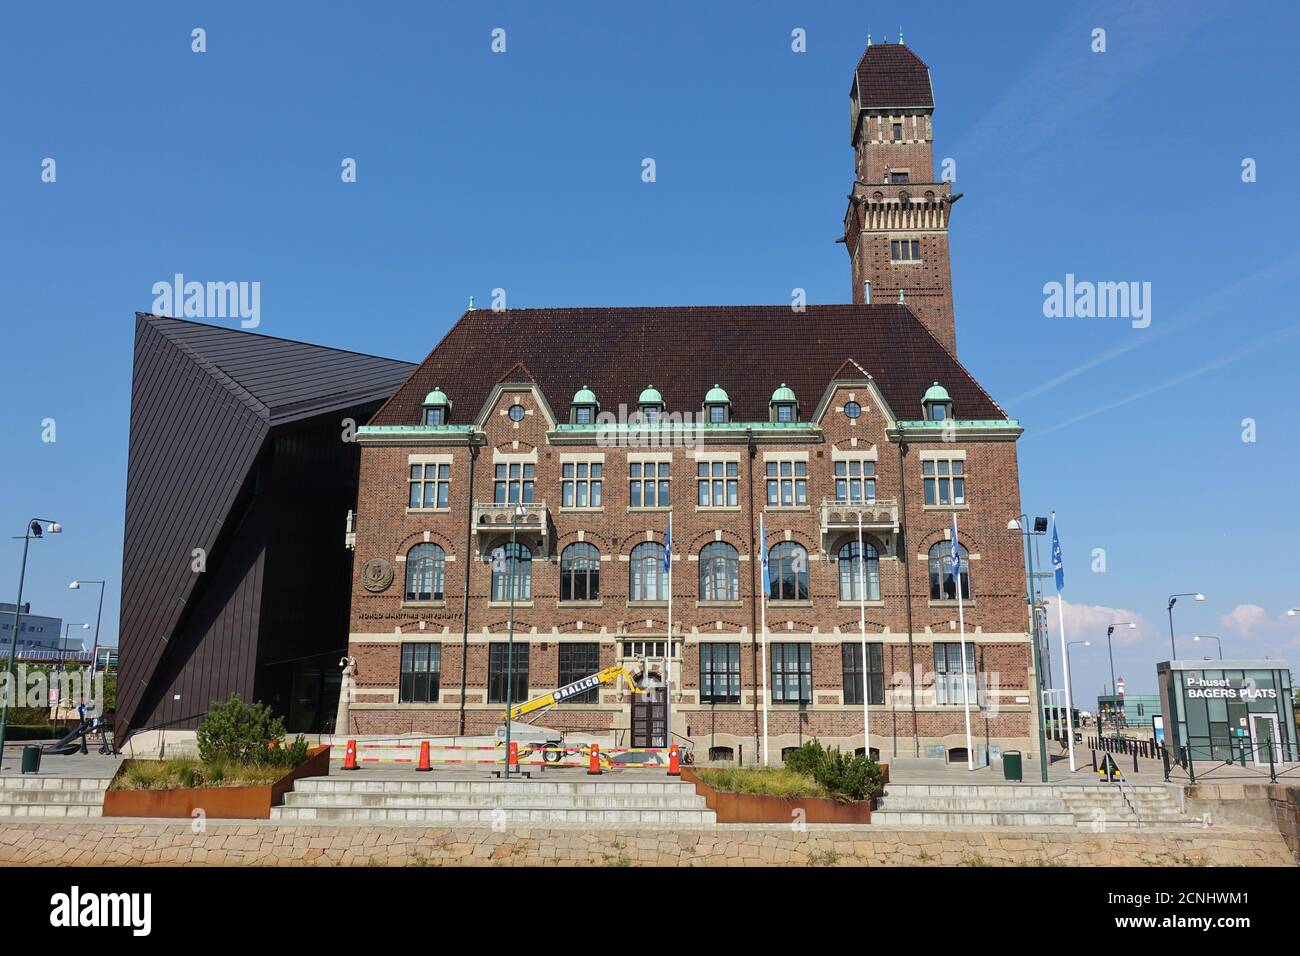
(593, 766)
(350, 756)
(674, 762)
(514, 754)
(424, 756)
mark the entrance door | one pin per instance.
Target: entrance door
(650, 717)
(1263, 729)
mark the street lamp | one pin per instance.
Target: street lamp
(1068, 645)
(519, 512)
(1111, 651)
(1210, 637)
(1173, 599)
(1019, 525)
(33, 530)
(94, 652)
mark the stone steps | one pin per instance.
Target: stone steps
(1082, 805)
(491, 801)
(510, 816)
(932, 819)
(967, 804)
(37, 796)
(344, 784)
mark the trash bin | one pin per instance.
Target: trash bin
(1011, 768)
(31, 759)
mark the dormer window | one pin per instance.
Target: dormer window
(583, 408)
(937, 404)
(651, 405)
(437, 407)
(783, 407)
(717, 406)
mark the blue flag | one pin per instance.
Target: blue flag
(1057, 564)
(955, 555)
(668, 544)
(762, 547)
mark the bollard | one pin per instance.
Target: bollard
(1094, 761)
(1272, 770)
(1135, 760)
(1191, 765)
(424, 756)
(593, 765)
(350, 756)
(1164, 758)
(674, 762)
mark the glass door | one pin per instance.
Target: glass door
(1264, 731)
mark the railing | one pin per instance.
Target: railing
(492, 516)
(1276, 759)
(876, 513)
(1127, 745)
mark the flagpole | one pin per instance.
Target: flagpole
(668, 660)
(1065, 651)
(762, 547)
(961, 623)
(862, 623)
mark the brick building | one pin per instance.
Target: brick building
(603, 421)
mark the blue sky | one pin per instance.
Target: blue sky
(521, 171)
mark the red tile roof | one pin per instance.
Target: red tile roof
(890, 74)
(683, 352)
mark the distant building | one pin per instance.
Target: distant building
(35, 631)
(1130, 712)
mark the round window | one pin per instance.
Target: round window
(516, 413)
(852, 409)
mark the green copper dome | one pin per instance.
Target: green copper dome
(650, 396)
(717, 395)
(437, 397)
(936, 393)
(783, 394)
(584, 396)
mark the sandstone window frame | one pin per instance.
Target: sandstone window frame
(660, 482)
(428, 478)
(852, 672)
(413, 664)
(582, 479)
(943, 473)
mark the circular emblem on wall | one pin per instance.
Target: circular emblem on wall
(376, 575)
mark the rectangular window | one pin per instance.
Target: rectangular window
(897, 177)
(720, 673)
(576, 662)
(514, 483)
(897, 130)
(855, 480)
(430, 486)
(717, 484)
(785, 412)
(787, 483)
(945, 481)
(947, 673)
(792, 673)
(648, 484)
(583, 415)
(497, 656)
(421, 672)
(905, 250)
(875, 676)
(651, 650)
(580, 485)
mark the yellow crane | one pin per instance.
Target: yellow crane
(547, 740)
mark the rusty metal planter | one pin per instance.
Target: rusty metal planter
(223, 803)
(763, 808)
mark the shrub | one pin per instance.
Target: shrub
(843, 776)
(807, 758)
(240, 733)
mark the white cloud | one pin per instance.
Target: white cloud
(1089, 622)
(1243, 619)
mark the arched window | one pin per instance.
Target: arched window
(425, 573)
(719, 572)
(788, 569)
(512, 561)
(853, 577)
(580, 573)
(647, 580)
(942, 585)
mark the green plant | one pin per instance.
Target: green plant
(769, 781)
(237, 732)
(806, 758)
(823, 857)
(849, 777)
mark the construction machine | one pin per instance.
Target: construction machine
(547, 740)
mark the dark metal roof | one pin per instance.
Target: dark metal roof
(203, 402)
(890, 74)
(684, 351)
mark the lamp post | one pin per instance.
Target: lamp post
(1019, 525)
(1111, 652)
(33, 530)
(99, 614)
(1068, 645)
(1210, 637)
(1173, 599)
(519, 512)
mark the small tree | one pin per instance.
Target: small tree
(242, 733)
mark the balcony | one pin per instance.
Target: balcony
(491, 518)
(879, 518)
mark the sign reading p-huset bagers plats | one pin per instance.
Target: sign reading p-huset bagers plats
(1222, 687)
